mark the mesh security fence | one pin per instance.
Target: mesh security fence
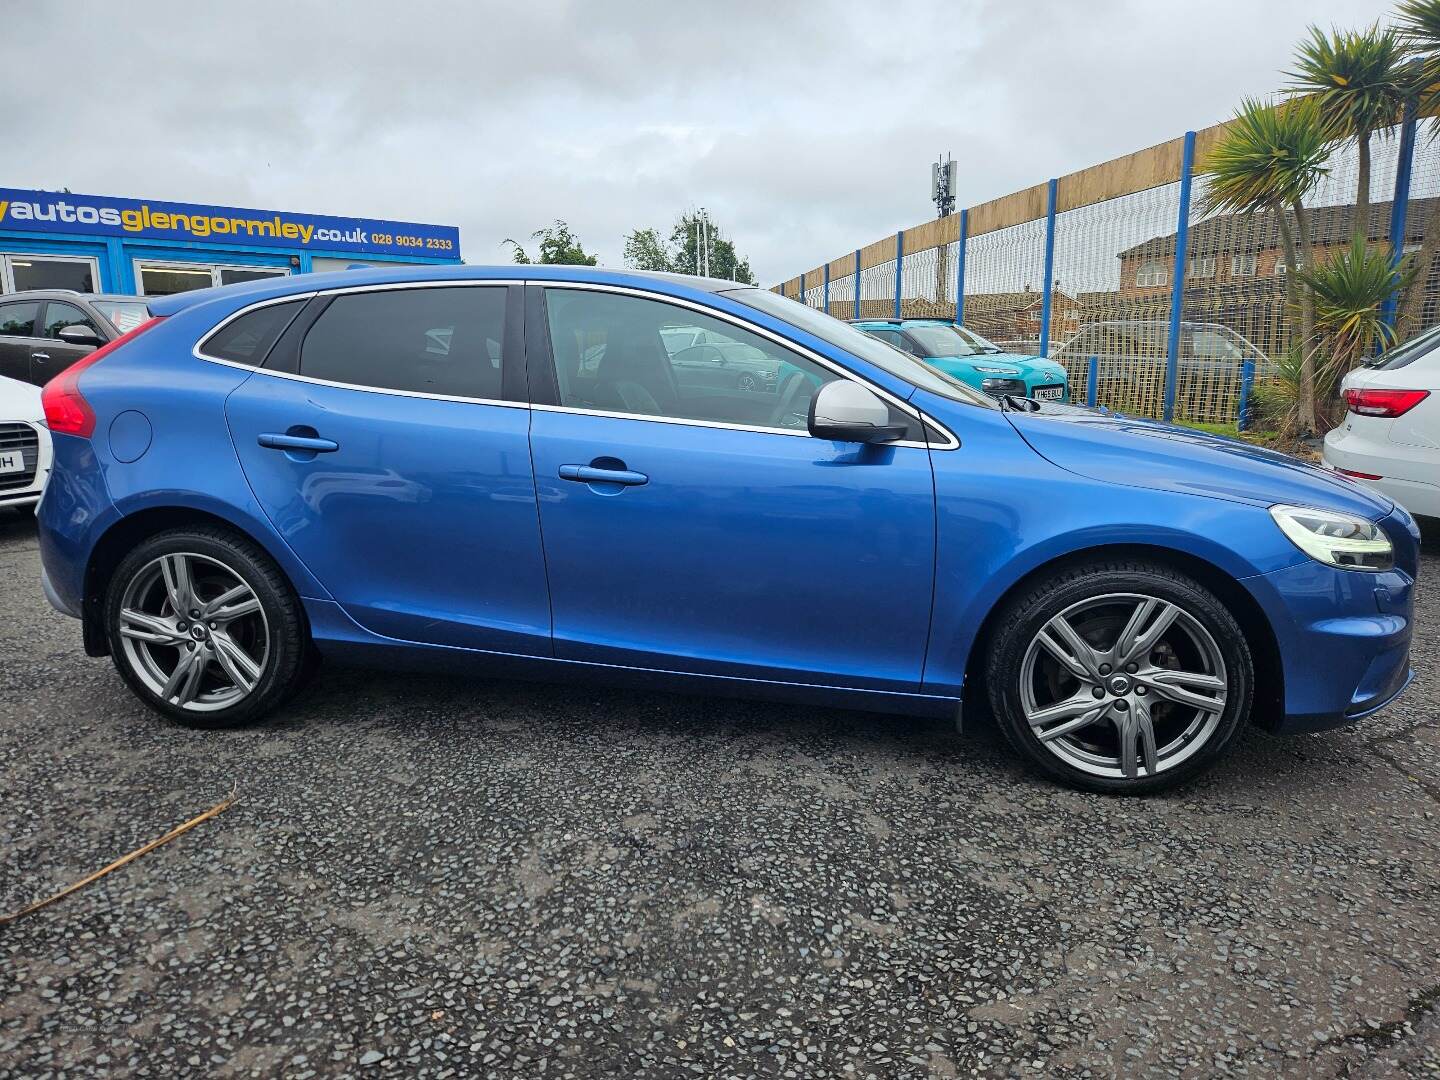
(1112, 284)
(1004, 285)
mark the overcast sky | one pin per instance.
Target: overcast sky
(807, 129)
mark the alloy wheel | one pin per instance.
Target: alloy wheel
(1123, 685)
(194, 632)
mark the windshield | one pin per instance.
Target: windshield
(844, 336)
(124, 315)
(1408, 353)
(940, 340)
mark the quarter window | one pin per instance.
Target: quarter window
(18, 320)
(248, 339)
(444, 341)
(626, 354)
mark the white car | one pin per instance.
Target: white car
(24, 444)
(1390, 438)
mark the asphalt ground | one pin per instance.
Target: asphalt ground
(476, 878)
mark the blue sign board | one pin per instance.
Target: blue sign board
(63, 212)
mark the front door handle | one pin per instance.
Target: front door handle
(39, 356)
(589, 474)
(313, 444)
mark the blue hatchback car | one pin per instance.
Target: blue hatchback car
(439, 468)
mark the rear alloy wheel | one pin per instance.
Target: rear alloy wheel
(1122, 678)
(204, 628)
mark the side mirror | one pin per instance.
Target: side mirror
(848, 412)
(79, 335)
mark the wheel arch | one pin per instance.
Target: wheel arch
(134, 528)
(1269, 701)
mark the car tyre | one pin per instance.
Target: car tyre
(1121, 677)
(247, 653)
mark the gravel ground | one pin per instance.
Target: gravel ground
(492, 878)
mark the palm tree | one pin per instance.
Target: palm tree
(1358, 77)
(1268, 160)
(1419, 29)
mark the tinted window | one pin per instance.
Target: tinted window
(626, 354)
(58, 314)
(429, 341)
(247, 340)
(1408, 353)
(18, 320)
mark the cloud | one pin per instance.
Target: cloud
(806, 129)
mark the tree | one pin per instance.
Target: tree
(1359, 81)
(558, 247)
(1268, 161)
(1419, 30)
(1349, 291)
(724, 263)
(644, 250)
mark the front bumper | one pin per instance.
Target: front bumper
(1343, 637)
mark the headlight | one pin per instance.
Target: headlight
(1341, 540)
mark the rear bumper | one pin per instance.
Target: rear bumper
(1404, 471)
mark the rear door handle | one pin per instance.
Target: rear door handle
(298, 442)
(39, 356)
(589, 474)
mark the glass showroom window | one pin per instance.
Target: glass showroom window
(20, 272)
(165, 278)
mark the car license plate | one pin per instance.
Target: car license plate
(11, 461)
(1050, 393)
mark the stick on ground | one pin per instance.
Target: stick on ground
(218, 808)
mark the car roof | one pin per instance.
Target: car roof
(299, 284)
(68, 294)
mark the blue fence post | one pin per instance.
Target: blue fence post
(899, 267)
(826, 293)
(857, 283)
(1177, 292)
(960, 268)
(1092, 382)
(1247, 379)
(1050, 191)
(1398, 207)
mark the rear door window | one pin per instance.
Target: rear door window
(442, 341)
(18, 320)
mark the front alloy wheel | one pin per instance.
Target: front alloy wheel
(1119, 676)
(1123, 685)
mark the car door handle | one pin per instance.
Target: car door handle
(298, 442)
(589, 474)
(39, 356)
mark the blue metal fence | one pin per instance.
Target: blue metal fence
(1199, 280)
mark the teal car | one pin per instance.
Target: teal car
(963, 354)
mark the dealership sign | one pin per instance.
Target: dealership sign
(51, 212)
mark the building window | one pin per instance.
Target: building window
(1152, 274)
(1202, 268)
(21, 272)
(1242, 265)
(164, 279)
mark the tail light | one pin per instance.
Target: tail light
(1383, 403)
(66, 410)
